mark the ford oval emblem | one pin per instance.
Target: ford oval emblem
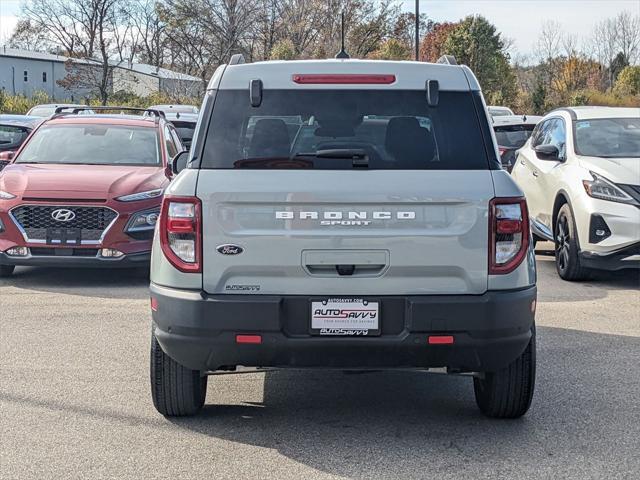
(229, 249)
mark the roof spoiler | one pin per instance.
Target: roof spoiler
(447, 60)
(236, 59)
(75, 110)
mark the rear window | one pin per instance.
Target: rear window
(92, 144)
(513, 136)
(326, 129)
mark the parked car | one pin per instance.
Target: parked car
(48, 109)
(14, 129)
(185, 124)
(581, 175)
(495, 111)
(511, 133)
(176, 108)
(85, 190)
(390, 239)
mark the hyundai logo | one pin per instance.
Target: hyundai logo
(63, 215)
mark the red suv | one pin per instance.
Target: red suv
(85, 190)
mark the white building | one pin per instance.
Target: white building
(24, 72)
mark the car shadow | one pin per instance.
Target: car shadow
(405, 424)
(88, 282)
(551, 288)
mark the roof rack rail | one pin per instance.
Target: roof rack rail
(236, 59)
(60, 111)
(447, 60)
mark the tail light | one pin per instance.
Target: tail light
(502, 150)
(508, 234)
(181, 233)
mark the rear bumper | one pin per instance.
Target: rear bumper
(131, 260)
(199, 331)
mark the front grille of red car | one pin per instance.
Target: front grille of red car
(35, 220)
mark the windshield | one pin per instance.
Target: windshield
(608, 137)
(92, 144)
(11, 137)
(340, 129)
(513, 136)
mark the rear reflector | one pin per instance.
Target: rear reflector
(154, 304)
(255, 339)
(348, 79)
(440, 339)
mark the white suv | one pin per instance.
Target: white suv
(580, 172)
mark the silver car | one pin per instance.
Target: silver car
(343, 214)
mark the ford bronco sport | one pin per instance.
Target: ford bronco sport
(343, 214)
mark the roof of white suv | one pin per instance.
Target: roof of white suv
(406, 75)
(588, 113)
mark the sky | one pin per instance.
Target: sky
(519, 20)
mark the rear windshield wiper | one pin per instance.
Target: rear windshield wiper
(358, 156)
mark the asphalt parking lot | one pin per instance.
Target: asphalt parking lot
(75, 401)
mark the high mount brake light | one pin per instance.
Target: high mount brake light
(508, 234)
(181, 232)
(342, 78)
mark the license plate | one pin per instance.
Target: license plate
(345, 317)
(64, 236)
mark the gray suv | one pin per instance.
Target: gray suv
(343, 214)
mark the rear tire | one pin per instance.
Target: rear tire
(567, 249)
(176, 390)
(507, 393)
(6, 270)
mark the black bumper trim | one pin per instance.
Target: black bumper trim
(132, 260)
(613, 261)
(198, 330)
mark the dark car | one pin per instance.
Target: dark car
(14, 129)
(185, 124)
(512, 132)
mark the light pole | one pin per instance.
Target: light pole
(417, 30)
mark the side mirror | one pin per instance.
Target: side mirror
(547, 152)
(179, 162)
(7, 156)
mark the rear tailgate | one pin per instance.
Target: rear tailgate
(423, 232)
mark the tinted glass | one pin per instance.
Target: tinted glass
(513, 136)
(185, 131)
(608, 137)
(12, 137)
(91, 144)
(394, 129)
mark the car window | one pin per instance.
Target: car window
(92, 144)
(176, 139)
(557, 136)
(608, 137)
(542, 134)
(11, 137)
(395, 129)
(172, 150)
(513, 136)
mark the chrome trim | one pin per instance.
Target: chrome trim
(44, 242)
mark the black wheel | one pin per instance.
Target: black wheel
(507, 393)
(7, 270)
(567, 249)
(176, 390)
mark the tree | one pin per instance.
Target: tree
(628, 82)
(392, 49)
(26, 35)
(432, 46)
(476, 43)
(283, 50)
